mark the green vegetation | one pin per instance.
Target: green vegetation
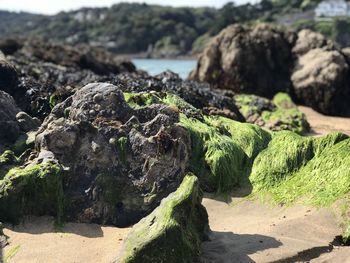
(223, 150)
(161, 30)
(35, 189)
(171, 233)
(284, 111)
(122, 149)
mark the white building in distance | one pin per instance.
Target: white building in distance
(332, 8)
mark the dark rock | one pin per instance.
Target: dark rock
(10, 46)
(8, 76)
(121, 162)
(10, 129)
(49, 73)
(200, 95)
(250, 60)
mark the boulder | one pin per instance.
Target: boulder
(321, 81)
(120, 162)
(308, 40)
(248, 59)
(10, 129)
(171, 233)
(8, 76)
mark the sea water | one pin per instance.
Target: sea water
(156, 66)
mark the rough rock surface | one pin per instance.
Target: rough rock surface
(263, 60)
(250, 60)
(8, 75)
(163, 236)
(321, 80)
(121, 162)
(10, 129)
(276, 115)
(200, 95)
(308, 40)
(49, 73)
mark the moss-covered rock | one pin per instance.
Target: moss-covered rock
(223, 150)
(171, 233)
(279, 114)
(32, 190)
(7, 160)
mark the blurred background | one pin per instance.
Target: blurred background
(164, 29)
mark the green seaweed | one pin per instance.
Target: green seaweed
(35, 189)
(285, 114)
(171, 233)
(122, 144)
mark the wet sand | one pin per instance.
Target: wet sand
(36, 241)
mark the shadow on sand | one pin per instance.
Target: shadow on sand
(41, 225)
(226, 247)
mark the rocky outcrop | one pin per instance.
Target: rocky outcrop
(263, 60)
(321, 81)
(308, 40)
(200, 95)
(49, 73)
(163, 236)
(120, 161)
(276, 115)
(250, 60)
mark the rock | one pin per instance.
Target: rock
(321, 80)
(250, 60)
(8, 76)
(276, 115)
(27, 123)
(10, 46)
(49, 73)
(171, 233)
(308, 40)
(121, 161)
(3, 240)
(200, 95)
(10, 129)
(264, 60)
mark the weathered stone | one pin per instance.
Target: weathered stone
(8, 76)
(118, 171)
(321, 80)
(171, 233)
(250, 60)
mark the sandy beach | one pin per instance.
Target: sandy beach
(36, 241)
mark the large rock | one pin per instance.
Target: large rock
(10, 129)
(250, 60)
(321, 80)
(263, 60)
(120, 161)
(171, 233)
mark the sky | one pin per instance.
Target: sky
(54, 6)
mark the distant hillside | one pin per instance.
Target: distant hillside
(160, 30)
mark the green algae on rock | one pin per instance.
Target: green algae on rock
(279, 114)
(32, 190)
(172, 232)
(223, 150)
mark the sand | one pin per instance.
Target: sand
(36, 241)
(321, 124)
(251, 231)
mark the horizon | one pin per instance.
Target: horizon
(52, 8)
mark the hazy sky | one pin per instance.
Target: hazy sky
(54, 6)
